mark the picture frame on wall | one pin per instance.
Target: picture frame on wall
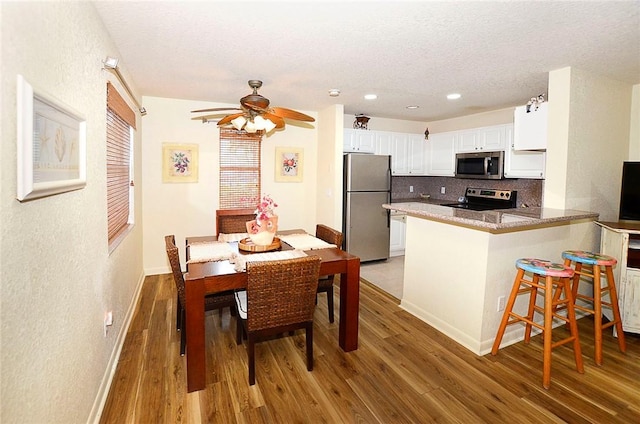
(179, 163)
(289, 164)
(51, 145)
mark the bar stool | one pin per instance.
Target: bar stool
(545, 275)
(596, 263)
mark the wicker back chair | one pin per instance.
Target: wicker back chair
(280, 297)
(325, 284)
(211, 302)
(229, 221)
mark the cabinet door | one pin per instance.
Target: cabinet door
(530, 129)
(400, 153)
(467, 141)
(366, 141)
(397, 235)
(442, 154)
(492, 138)
(383, 145)
(630, 304)
(522, 164)
(417, 147)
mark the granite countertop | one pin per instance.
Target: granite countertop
(503, 220)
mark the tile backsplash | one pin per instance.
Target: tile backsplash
(529, 191)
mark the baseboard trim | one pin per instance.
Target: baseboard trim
(107, 379)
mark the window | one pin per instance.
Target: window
(121, 122)
(239, 169)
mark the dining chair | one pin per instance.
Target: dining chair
(325, 283)
(230, 221)
(279, 298)
(211, 302)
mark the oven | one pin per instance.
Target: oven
(482, 199)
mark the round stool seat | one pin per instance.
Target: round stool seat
(544, 267)
(589, 258)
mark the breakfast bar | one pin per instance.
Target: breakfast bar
(460, 264)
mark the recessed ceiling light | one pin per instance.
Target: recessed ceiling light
(413, 107)
(334, 92)
(453, 96)
(370, 96)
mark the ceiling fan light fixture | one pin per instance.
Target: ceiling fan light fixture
(239, 122)
(250, 127)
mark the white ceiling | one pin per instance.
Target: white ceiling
(495, 53)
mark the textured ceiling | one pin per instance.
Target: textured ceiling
(495, 53)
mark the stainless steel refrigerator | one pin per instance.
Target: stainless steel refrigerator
(365, 223)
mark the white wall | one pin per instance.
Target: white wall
(634, 132)
(589, 138)
(330, 143)
(188, 209)
(57, 277)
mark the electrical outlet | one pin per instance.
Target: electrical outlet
(410, 189)
(442, 190)
(500, 303)
(108, 321)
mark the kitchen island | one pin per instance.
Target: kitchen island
(460, 264)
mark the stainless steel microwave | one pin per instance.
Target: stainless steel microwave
(480, 165)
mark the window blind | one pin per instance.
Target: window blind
(118, 162)
(239, 169)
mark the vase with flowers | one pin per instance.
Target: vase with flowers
(263, 229)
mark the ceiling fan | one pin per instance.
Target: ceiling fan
(255, 115)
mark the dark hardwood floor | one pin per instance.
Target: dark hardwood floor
(403, 372)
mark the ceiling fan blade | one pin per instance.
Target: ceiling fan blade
(275, 119)
(215, 109)
(227, 119)
(291, 114)
(206, 118)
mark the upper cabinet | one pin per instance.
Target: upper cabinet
(359, 141)
(530, 129)
(407, 152)
(481, 139)
(441, 154)
(522, 163)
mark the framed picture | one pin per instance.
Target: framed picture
(179, 163)
(52, 141)
(289, 164)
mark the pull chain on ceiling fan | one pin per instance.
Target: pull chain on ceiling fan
(255, 115)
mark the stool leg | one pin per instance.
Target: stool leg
(613, 295)
(507, 311)
(573, 326)
(532, 304)
(597, 314)
(548, 320)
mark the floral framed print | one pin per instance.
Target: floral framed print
(179, 163)
(51, 145)
(289, 164)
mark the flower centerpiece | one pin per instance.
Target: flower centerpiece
(263, 229)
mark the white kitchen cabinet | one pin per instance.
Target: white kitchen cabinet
(359, 141)
(522, 163)
(417, 153)
(441, 154)
(383, 143)
(397, 235)
(399, 154)
(530, 129)
(481, 139)
(622, 241)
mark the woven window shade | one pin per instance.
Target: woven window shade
(116, 103)
(239, 169)
(118, 165)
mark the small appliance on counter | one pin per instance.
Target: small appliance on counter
(482, 199)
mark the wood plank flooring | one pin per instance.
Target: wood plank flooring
(403, 372)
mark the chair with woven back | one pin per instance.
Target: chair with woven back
(230, 221)
(280, 298)
(325, 284)
(211, 302)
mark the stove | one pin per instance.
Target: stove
(481, 199)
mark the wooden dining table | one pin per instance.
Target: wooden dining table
(204, 278)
